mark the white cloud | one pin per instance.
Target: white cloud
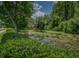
(38, 14)
(37, 6)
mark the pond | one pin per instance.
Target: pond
(42, 38)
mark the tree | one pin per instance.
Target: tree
(65, 17)
(62, 11)
(40, 25)
(41, 22)
(16, 14)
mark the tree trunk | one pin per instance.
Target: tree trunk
(12, 19)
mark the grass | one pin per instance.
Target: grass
(63, 40)
(22, 46)
(1, 35)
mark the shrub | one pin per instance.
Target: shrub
(69, 26)
(25, 47)
(31, 48)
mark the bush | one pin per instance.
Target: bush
(56, 21)
(69, 26)
(9, 35)
(25, 47)
(31, 48)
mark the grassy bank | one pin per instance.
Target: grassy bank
(20, 45)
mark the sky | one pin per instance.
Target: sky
(42, 7)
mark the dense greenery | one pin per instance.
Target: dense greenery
(65, 17)
(23, 36)
(22, 46)
(16, 14)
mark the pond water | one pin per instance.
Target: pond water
(42, 39)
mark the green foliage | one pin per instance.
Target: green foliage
(16, 14)
(64, 10)
(42, 23)
(39, 23)
(26, 47)
(70, 26)
(31, 48)
(65, 17)
(56, 21)
(1, 34)
(9, 35)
